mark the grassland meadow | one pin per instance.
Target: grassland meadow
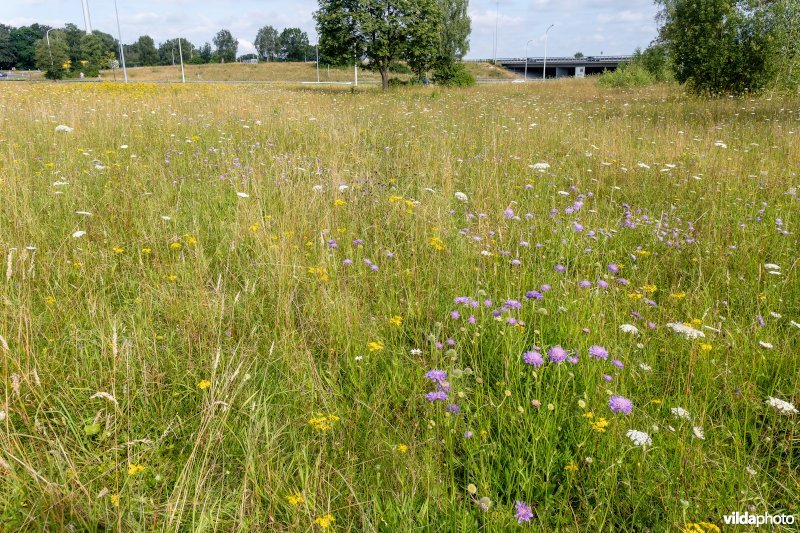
(544, 307)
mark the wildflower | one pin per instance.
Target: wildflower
(203, 385)
(322, 422)
(557, 354)
(468, 434)
(687, 331)
(571, 467)
(678, 295)
(620, 404)
(781, 405)
(396, 320)
(401, 448)
(114, 500)
(78, 234)
(598, 352)
(436, 396)
(324, 522)
(146, 251)
(559, 268)
(639, 438)
(118, 250)
(453, 409)
(533, 358)
(706, 347)
(134, 469)
(437, 376)
(699, 433)
(600, 424)
(339, 202)
(375, 346)
(437, 243)
(461, 197)
(484, 504)
(175, 246)
(524, 513)
(295, 499)
(617, 363)
(471, 488)
(680, 412)
(629, 328)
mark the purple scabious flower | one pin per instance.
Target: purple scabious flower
(617, 363)
(374, 268)
(512, 304)
(577, 227)
(585, 284)
(472, 319)
(603, 284)
(508, 213)
(606, 377)
(622, 281)
(468, 434)
(534, 295)
(620, 404)
(440, 396)
(436, 375)
(557, 354)
(439, 345)
(545, 287)
(573, 360)
(613, 268)
(454, 409)
(450, 342)
(333, 244)
(533, 358)
(598, 352)
(443, 386)
(559, 268)
(455, 315)
(347, 262)
(358, 242)
(524, 513)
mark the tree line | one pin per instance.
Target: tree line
(71, 51)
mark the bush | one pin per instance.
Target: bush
(630, 75)
(453, 75)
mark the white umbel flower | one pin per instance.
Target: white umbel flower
(699, 433)
(680, 412)
(78, 234)
(639, 438)
(781, 405)
(63, 129)
(686, 331)
(629, 328)
(461, 197)
(541, 167)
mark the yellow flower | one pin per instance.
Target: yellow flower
(203, 385)
(396, 320)
(588, 415)
(401, 448)
(650, 289)
(655, 401)
(175, 246)
(115, 500)
(643, 252)
(172, 277)
(706, 347)
(254, 227)
(571, 467)
(135, 469)
(50, 300)
(324, 522)
(339, 202)
(697, 322)
(395, 198)
(118, 250)
(600, 425)
(146, 251)
(375, 346)
(322, 422)
(189, 239)
(437, 243)
(295, 499)
(678, 295)
(634, 296)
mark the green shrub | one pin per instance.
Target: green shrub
(630, 75)
(453, 75)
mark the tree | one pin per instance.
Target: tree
(266, 43)
(293, 45)
(205, 53)
(73, 36)
(24, 41)
(578, 55)
(144, 51)
(426, 31)
(169, 52)
(8, 58)
(53, 60)
(92, 53)
(456, 27)
(379, 30)
(226, 46)
(721, 46)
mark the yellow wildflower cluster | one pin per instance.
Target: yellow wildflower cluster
(650, 289)
(375, 346)
(600, 425)
(437, 243)
(203, 385)
(339, 202)
(295, 499)
(320, 271)
(396, 320)
(322, 422)
(324, 522)
(135, 469)
(571, 467)
(700, 527)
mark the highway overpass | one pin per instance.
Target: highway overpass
(560, 67)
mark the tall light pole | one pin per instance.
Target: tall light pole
(317, 47)
(87, 20)
(526, 59)
(180, 53)
(47, 36)
(544, 67)
(119, 35)
(496, 21)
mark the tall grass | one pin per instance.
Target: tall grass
(205, 357)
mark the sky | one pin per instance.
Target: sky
(592, 27)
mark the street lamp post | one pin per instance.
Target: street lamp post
(180, 53)
(121, 50)
(526, 59)
(317, 47)
(496, 22)
(47, 36)
(544, 67)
